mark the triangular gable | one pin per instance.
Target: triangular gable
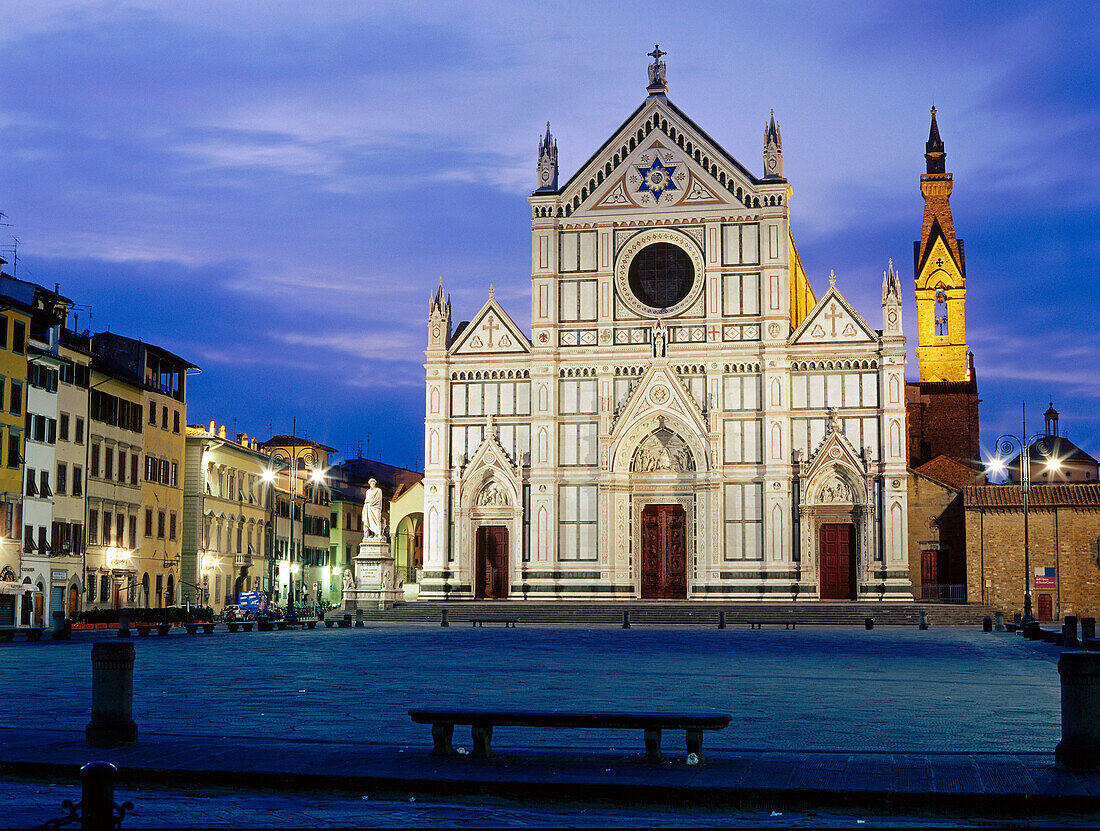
(660, 392)
(833, 320)
(937, 233)
(490, 460)
(835, 449)
(944, 267)
(491, 332)
(704, 175)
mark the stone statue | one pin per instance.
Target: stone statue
(349, 580)
(657, 68)
(372, 509)
(659, 339)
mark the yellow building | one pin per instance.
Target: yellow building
(137, 414)
(226, 516)
(15, 321)
(301, 558)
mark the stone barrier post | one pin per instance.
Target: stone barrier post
(1088, 628)
(626, 618)
(443, 618)
(998, 621)
(869, 623)
(1079, 748)
(62, 628)
(1069, 631)
(923, 620)
(721, 620)
(987, 624)
(124, 623)
(359, 619)
(112, 721)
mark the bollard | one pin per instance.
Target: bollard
(1031, 630)
(1069, 632)
(987, 624)
(112, 721)
(869, 623)
(1016, 617)
(443, 618)
(923, 620)
(998, 621)
(626, 619)
(1088, 628)
(359, 619)
(97, 795)
(62, 628)
(721, 620)
(1079, 748)
(124, 623)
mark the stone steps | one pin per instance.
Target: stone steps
(664, 613)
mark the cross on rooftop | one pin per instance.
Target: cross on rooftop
(656, 53)
(833, 316)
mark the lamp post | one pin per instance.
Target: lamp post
(1006, 445)
(288, 459)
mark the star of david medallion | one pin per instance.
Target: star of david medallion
(657, 178)
(660, 395)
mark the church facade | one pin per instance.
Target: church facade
(685, 418)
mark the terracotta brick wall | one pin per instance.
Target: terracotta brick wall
(1063, 538)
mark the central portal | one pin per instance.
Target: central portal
(664, 552)
(492, 562)
(838, 573)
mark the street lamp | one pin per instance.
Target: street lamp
(1006, 445)
(282, 458)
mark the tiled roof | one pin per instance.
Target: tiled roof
(1040, 496)
(949, 472)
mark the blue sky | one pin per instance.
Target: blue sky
(272, 189)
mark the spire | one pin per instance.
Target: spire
(891, 285)
(773, 150)
(832, 278)
(548, 162)
(439, 319)
(771, 132)
(934, 155)
(657, 83)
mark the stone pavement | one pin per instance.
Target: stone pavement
(956, 722)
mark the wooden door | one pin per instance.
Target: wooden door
(492, 562)
(838, 573)
(74, 598)
(1045, 608)
(664, 552)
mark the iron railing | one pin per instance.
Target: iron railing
(942, 592)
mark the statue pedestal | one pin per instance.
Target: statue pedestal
(376, 585)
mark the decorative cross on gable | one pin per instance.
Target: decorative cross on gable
(490, 327)
(656, 54)
(833, 316)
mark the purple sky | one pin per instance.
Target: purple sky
(272, 190)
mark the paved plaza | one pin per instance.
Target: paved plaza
(818, 714)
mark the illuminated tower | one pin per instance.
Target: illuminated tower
(942, 407)
(940, 269)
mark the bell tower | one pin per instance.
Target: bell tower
(939, 265)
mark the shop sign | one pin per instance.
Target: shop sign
(1046, 578)
(8, 587)
(59, 576)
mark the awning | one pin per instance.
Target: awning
(7, 587)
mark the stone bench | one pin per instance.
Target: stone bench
(509, 623)
(482, 722)
(756, 624)
(30, 633)
(193, 628)
(330, 623)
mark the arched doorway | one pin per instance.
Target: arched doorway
(143, 601)
(27, 605)
(170, 592)
(39, 595)
(74, 601)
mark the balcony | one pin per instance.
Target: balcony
(242, 560)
